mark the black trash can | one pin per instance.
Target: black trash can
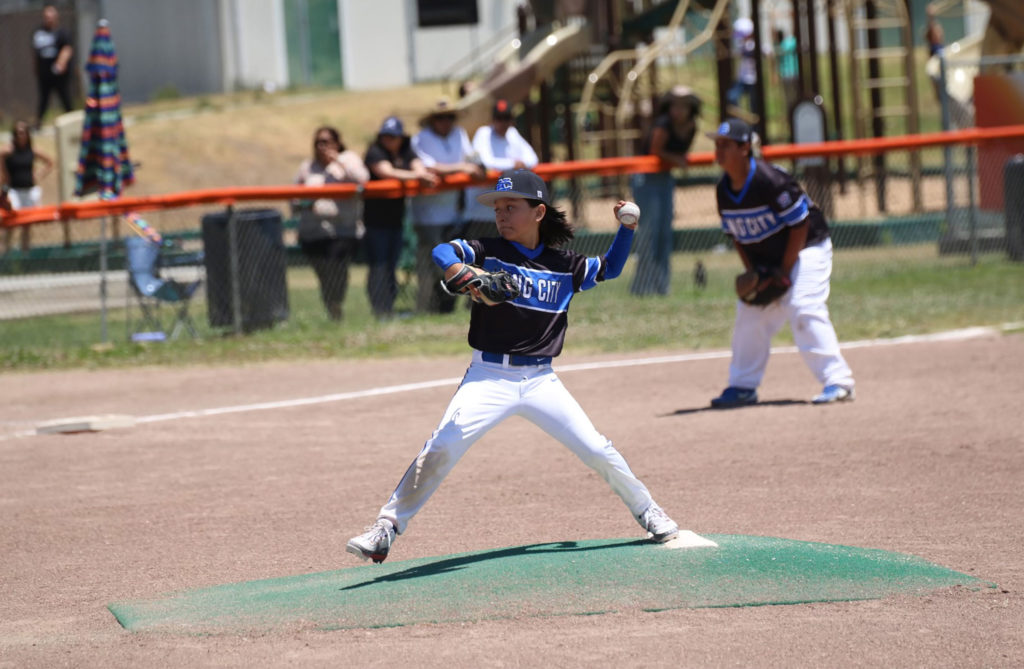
(1013, 204)
(262, 265)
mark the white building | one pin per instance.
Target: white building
(191, 47)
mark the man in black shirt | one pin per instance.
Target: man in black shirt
(52, 52)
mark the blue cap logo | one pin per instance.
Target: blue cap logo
(391, 126)
(504, 183)
(724, 128)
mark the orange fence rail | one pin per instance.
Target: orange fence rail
(577, 168)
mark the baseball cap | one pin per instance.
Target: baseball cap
(502, 109)
(734, 129)
(516, 183)
(392, 125)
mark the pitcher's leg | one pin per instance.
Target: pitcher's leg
(552, 408)
(479, 404)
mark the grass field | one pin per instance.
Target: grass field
(874, 294)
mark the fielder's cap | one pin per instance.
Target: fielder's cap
(443, 107)
(734, 129)
(392, 125)
(516, 183)
(502, 109)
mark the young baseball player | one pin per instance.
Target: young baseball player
(515, 331)
(779, 232)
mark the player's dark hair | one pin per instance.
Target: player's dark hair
(554, 227)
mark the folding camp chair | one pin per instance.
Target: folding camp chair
(152, 291)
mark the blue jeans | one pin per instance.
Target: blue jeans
(740, 90)
(383, 249)
(653, 193)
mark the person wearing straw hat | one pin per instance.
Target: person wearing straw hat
(444, 148)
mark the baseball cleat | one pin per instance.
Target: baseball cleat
(374, 543)
(656, 521)
(834, 393)
(735, 397)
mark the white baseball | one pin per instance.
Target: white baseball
(629, 213)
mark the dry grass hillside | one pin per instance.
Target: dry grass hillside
(239, 140)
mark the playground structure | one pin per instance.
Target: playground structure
(591, 83)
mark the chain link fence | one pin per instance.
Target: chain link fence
(250, 274)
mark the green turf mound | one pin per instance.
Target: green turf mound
(547, 579)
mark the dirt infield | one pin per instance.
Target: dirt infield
(927, 461)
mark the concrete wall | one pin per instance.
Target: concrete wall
(375, 43)
(382, 46)
(164, 45)
(253, 38)
(436, 50)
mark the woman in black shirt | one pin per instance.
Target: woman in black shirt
(669, 138)
(389, 157)
(19, 178)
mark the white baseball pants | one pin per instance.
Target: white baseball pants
(490, 393)
(805, 307)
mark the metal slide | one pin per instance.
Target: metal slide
(513, 81)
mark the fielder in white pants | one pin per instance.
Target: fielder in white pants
(805, 308)
(777, 231)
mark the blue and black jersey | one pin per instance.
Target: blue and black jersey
(534, 323)
(760, 215)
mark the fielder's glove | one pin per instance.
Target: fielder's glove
(490, 288)
(762, 285)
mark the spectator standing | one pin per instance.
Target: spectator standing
(670, 139)
(789, 67)
(445, 149)
(389, 157)
(329, 229)
(933, 33)
(498, 146)
(746, 76)
(20, 179)
(52, 53)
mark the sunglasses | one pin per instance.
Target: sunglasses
(445, 117)
(322, 141)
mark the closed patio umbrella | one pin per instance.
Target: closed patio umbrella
(103, 164)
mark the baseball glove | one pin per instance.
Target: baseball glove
(762, 285)
(490, 288)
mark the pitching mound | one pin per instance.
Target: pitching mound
(584, 577)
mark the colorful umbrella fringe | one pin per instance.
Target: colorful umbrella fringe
(103, 164)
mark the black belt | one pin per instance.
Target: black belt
(518, 360)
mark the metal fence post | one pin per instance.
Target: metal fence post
(236, 291)
(1013, 205)
(972, 214)
(947, 151)
(103, 279)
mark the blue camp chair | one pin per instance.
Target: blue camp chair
(142, 257)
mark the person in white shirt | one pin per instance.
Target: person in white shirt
(444, 148)
(498, 146)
